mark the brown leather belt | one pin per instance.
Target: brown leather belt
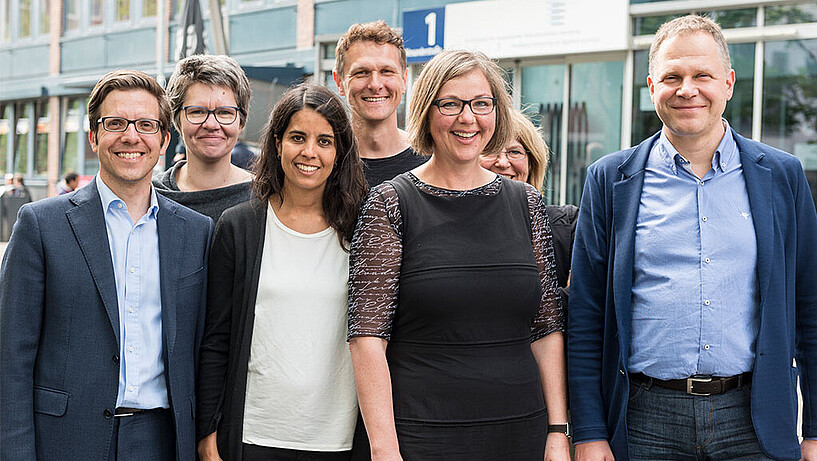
(697, 385)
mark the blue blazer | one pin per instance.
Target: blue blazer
(59, 327)
(599, 317)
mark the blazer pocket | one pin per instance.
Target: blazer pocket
(50, 401)
(193, 406)
(191, 279)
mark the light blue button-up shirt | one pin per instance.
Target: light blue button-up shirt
(135, 256)
(695, 296)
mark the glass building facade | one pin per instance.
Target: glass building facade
(587, 103)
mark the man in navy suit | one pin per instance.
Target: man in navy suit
(102, 298)
(693, 304)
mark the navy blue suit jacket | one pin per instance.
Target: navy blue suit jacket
(599, 317)
(59, 327)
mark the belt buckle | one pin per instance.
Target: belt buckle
(692, 380)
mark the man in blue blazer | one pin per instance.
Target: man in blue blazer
(102, 297)
(693, 304)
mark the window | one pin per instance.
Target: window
(71, 15)
(790, 101)
(25, 19)
(594, 119)
(97, 13)
(148, 8)
(791, 14)
(732, 19)
(5, 20)
(728, 19)
(649, 25)
(122, 10)
(45, 16)
(542, 97)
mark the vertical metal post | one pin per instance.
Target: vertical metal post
(30, 140)
(161, 31)
(565, 135)
(81, 134)
(757, 88)
(627, 101)
(10, 139)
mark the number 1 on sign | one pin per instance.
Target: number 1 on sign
(431, 22)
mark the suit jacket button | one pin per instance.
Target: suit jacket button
(115, 359)
(107, 413)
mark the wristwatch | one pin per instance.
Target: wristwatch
(560, 428)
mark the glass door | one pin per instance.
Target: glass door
(578, 106)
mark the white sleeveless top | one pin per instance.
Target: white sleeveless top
(300, 384)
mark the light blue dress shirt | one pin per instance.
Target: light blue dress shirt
(695, 296)
(135, 256)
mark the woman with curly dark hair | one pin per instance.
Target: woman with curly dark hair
(275, 375)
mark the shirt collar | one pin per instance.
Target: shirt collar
(109, 197)
(726, 154)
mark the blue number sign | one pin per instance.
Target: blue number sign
(423, 33)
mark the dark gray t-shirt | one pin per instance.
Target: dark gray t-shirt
(378, 170)
(210, 202)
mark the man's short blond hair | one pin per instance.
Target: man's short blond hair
(688, 25)
(378, 32)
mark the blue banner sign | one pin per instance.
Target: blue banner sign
(423, 34)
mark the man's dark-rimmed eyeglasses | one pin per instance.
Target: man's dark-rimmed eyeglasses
(453, 106)
(197, 115)
(120, 124)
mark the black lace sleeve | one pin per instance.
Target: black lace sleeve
(551, 314)
(374, 264)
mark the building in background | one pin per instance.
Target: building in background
(579, 66)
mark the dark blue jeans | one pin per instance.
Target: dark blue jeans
(665, 424)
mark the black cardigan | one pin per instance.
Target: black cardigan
(235, 266)
(234, 271)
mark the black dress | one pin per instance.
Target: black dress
(465, 382)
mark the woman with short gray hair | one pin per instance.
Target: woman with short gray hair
(210, 97)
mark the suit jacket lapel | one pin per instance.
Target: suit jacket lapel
(758, 186)
(87, 220)
(171, 242)
(626, 199)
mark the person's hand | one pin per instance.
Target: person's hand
(208, 449)
(557, 447)
(594, 451)
(808, 449)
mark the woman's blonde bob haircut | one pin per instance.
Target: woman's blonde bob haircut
(538, 152)
(447, 66)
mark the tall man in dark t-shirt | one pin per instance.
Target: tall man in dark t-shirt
(370, 72)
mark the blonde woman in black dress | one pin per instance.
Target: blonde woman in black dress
(455, 325)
